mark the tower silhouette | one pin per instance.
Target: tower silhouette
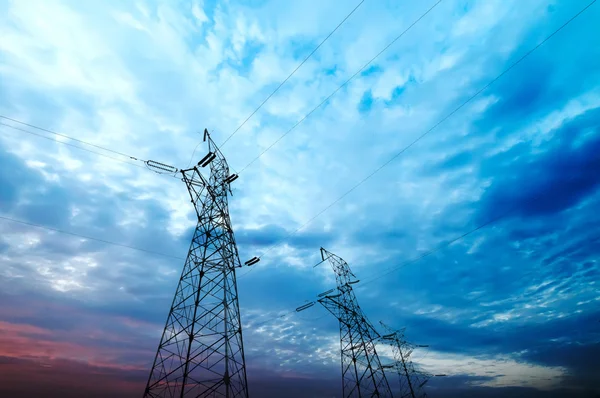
(411, 380)
(201, 351)
(362, 373)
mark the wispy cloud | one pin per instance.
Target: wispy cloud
(145, 77)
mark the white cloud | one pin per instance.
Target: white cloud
(504, 371)
(143, 79)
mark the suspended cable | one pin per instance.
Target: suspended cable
(282, 241)
(154, 166)
(411, 261)
(284, 81)
(437, 249)
(385, 164)
(64, 136)
(71, 145)
(306, 305)
(294, 71)
(89, 237)
(340, 87)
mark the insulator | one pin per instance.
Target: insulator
(231, 178)
(388, 336)
(161, 166)
(353, 282)
(305, 306)
(325, 293)
(252, 261)
(205, 135)
(207, 159)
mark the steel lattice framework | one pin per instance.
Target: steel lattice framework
(411, 380)
(201, 352)
(362, 373)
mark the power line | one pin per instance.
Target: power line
(284, 81)
(340, 87)
(281, 241)
(146, 162)
(294, 71)
(89, 237)
(120, 245)
(416, 259)
(426, 254)
(71, 145)
(440, 247)
(279, 316)
(64, 136)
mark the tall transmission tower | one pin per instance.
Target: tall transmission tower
(362, 373)
(411, 380)
(201, 352)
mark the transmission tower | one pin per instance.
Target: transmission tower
(362, 373)
(411, 380)
(201, 352)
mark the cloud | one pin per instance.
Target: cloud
(144, 78)
(557, 179)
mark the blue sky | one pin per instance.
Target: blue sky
(510, 309)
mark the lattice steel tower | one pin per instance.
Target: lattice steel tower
(362, 373)
(411, 380)
(201, 352)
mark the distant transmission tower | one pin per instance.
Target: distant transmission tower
(362, 373)
(201, 352)
(411, 380)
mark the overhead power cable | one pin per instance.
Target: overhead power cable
(284, 81)
(408, 262)
(71, 145)
(295, 70)
(64, 136)
(515, 63)
(89, 238)
(372, 279)
(438, 248)
(419, 258)
(341, 86)
(151, 165)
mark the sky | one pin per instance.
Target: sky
(510, 309)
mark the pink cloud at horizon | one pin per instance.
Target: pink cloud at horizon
(24, 341)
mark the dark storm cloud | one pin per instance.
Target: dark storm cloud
(503, 291)
(581, 360)
(523, 97)
(513, 392)
(540, 84)
(458, 338)
(564, 175)
(272, 234)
